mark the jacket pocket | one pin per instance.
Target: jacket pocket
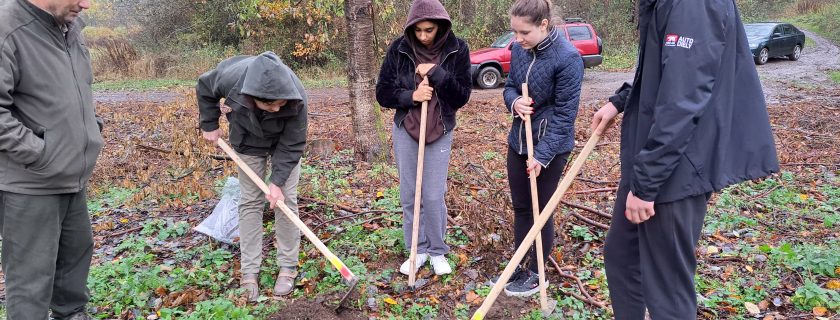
(542, 128)
(44, 159)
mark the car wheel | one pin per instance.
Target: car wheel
(489, 78)
(763, 56)
(797, 53)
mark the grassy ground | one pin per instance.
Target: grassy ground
(835, 75)
(619, 59)
(312, 78)
(142, 84)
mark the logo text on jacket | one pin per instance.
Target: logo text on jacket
(674, 40)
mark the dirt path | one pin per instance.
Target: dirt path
(781, 75)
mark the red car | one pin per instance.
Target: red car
(490, 64)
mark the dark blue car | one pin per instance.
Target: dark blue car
(774, 39)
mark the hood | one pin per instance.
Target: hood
(269, 79)
(422, 10)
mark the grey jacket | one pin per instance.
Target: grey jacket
(282, 134)
(49, 135)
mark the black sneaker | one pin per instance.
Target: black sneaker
(519, 272)
(526, 285)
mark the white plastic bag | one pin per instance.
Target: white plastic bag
(223, 223)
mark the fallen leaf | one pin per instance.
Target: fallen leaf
(105, 226)
(462, 259)
(434, 300)
(473, 298)
(819, 311)
(803, 197)
(769, 317)
(750, 269)
(763, 305)
(752, 308)
(390, 300)
(712, 250)
(833, 284)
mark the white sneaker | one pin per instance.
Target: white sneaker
(440, 265)
(421, 259)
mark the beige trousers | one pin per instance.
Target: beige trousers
(251, 206)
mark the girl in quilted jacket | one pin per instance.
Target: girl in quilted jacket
(553, 70)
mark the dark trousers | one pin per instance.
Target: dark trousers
(47, 249)
(651, 265)
(520, 194)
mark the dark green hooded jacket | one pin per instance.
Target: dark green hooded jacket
(282, 134)
(49, 134)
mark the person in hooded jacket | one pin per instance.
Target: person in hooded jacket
(695, 122)
(268, 120)
(553, 70)
(430, 49)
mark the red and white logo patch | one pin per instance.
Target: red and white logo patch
(671, 40)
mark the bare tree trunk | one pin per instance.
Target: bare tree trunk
(370, 138)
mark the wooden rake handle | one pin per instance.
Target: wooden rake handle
(535, 204)
(332, 258)
(538, 225)
(418, 191)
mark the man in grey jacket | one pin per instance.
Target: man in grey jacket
(267, 120)
(695, 122)
(49, 142)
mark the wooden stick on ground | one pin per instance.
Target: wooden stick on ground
(535, 204)
(418, 188)
(538, 225)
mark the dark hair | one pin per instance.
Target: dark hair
(264, 100)
(536, 10)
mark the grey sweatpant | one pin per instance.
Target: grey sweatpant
(433, 210)
(47, 249)
(251, 207)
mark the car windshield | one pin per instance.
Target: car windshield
(503, 41)
(758, 30)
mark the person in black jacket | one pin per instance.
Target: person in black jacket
(430, 49)
(266, 106)
(553, 69)
(695, 122)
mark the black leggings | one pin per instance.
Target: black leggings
(520, 194)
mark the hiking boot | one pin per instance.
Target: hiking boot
(285, 281)
(250, 283)
(421, 259)
(527, 284)
(440, 265)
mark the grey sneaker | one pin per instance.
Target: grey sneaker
(526, 285)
